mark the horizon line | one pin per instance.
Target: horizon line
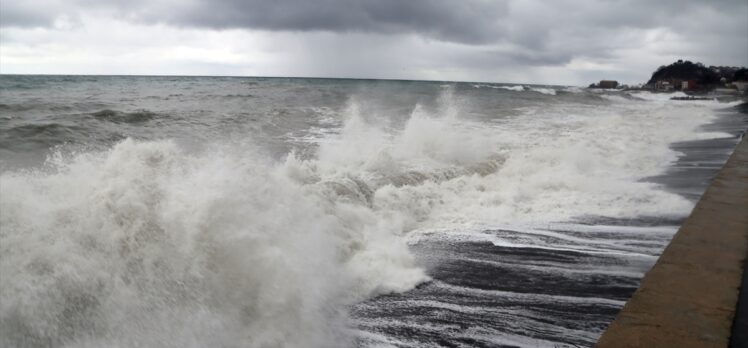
(284, 77)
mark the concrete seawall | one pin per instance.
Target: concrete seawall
(689, 297)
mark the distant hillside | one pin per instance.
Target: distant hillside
(686, 70)
(740, 75)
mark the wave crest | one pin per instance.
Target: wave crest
(141, 236)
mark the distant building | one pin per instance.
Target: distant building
(608, 84)
(663, 85)
(689, 85)
(742, 86)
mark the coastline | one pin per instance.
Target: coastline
(515, 287)
(690, 297)
(701, 160)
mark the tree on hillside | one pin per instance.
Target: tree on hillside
(740, 75)
(686, 70)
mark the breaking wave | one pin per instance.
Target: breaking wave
(521, 88)
(147, 244)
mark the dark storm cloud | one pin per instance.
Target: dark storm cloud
(470, 21)
(395, 38)
(527, 23)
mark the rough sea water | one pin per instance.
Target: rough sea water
(272, 212)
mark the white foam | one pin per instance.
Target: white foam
(646, 95)
(548, 91)
(145, 244)
(516, 88)
(520, 88)
(574, 89)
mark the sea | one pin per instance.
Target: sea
(162, 211)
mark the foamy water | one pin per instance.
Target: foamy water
(258, 217)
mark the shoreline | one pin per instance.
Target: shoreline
(582, 290)
(690, 296)
(692, 173)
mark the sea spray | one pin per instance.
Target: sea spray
(153, 242)
(147, 245)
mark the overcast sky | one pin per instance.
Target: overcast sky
(572, 42)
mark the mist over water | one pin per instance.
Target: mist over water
(161, 211)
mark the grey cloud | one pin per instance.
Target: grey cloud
(470, 21)
(20, 14)
(542, 32)
(526, 23)
(473, 35)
